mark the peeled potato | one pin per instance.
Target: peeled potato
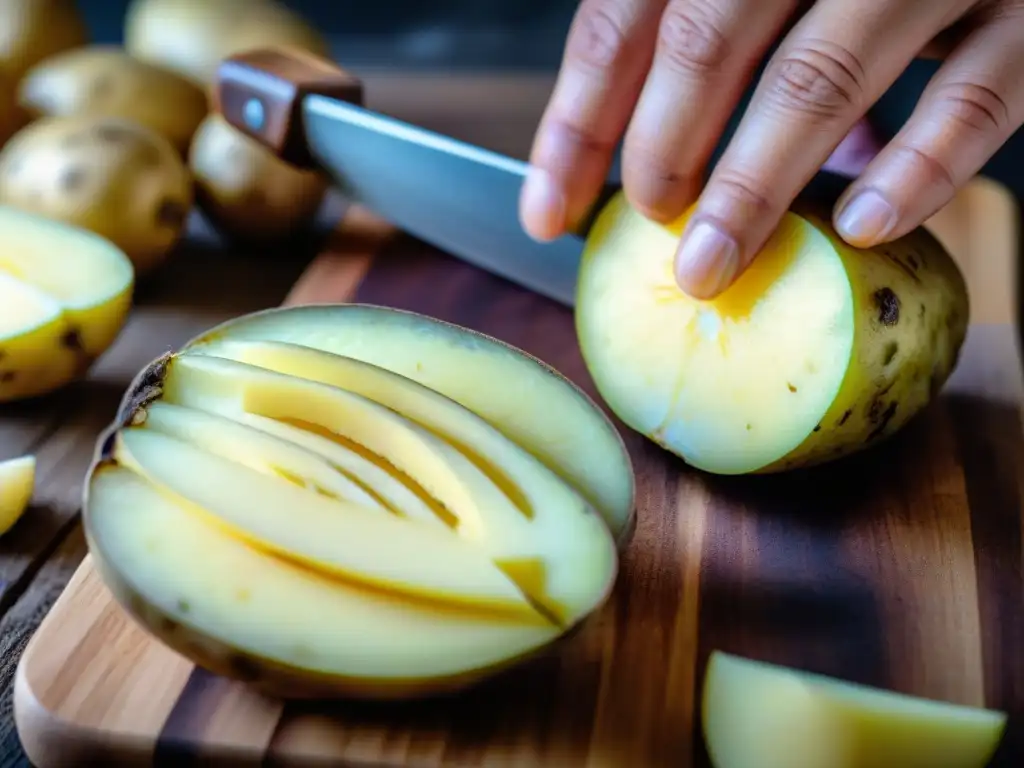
(191, 37)
(105, 174)
(106, 80)
(247, 191)
(32, 30)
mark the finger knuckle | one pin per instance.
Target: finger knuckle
(600, 34)
(690, 38)
(974, 107)
(930, 166)
(822, 80)
(744, 193)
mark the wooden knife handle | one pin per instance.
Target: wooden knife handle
(260, 93)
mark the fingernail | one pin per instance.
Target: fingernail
(542, 205)
(866, 218)
(707, 261)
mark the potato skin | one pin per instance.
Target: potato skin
(109, 175)
(912, 311)
(106, 80)
(245, 190)
(191, 37)
(32, 30)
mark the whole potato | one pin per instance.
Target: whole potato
(191, 37)
(244, 189)
(32, 30)
(106, 80)
(109, 175)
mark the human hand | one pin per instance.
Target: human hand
(669, 73)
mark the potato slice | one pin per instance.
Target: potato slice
(759, 715)
(308, 459)
(64, 297)
(17, 484)
(537, 408)
(334, 536)
(816, 352)
(245, 614)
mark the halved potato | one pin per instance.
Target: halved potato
(65, 294)
(817, 351)
(305, 459)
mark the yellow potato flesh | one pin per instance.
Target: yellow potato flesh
(505, 502)
(815, 352)
(524, 399)
(758, 715)
(363, 482)
(64, 297)
(17, 484)
(231, 598)
(333, 535)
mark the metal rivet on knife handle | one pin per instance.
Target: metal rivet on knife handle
(260, 93)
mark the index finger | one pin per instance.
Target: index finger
(831, 67)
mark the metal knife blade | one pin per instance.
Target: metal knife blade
(454, 195)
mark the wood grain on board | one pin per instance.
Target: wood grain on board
(900, 568)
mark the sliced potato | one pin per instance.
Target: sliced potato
(760, 715)
(65, 294)
(106, 80)
(109, 175)
(236, 449)
(816, 352)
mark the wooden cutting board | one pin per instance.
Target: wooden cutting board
(900, 568)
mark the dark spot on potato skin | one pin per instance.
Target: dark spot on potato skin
(883, 421)
(171, 213)
(113, 134)
(791, 387)
(71, 179)
(72, 340)
(847, 415)
(6, 377)
(888, 305)
(169, 625)
(890, 352)
(920, 311)
(817, 427)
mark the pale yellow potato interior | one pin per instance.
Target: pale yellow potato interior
(23, 307)
(334, 535)
(503, 501)
(758, 715)
(732, 383)
(75, 267)
(17, 484)
(218, 587)
(531, 404)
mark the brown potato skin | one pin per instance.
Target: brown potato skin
(106, 80)
(33, 30)
(109, 175)
(245, 190)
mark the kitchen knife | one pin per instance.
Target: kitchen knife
(456, 196)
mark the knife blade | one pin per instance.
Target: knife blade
(451, 194)
(454, 195)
